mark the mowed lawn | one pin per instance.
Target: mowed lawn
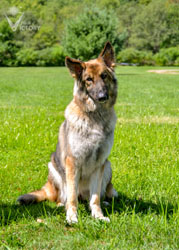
(145, 162)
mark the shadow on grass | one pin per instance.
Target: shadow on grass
(10, 213)
(124, 203)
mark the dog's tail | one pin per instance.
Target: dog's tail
(47, 192)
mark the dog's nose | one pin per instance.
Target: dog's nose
(102, 96)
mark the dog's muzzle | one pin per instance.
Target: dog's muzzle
(102, 97)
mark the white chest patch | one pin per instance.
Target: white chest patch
(90, 151)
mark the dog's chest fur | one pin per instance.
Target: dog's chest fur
(90, 137)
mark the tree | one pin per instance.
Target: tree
(172, 24)
(126, 15)
(85, 35)
(149, 28)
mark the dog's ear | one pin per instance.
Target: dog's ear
(108, 55)
(75, 66)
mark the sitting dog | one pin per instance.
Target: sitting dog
(80, 166)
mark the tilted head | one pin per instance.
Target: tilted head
(95, 83)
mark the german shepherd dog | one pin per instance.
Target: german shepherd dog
(79, 167)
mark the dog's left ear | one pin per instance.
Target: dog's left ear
(108, 55)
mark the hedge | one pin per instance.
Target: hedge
(165, 57)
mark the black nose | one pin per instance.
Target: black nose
(102, 96)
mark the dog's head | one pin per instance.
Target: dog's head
(95, 80)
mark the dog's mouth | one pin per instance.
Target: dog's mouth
(103, 99)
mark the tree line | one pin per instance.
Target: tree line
(43, 32)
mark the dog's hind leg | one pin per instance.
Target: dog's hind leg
(107, 187)
(110, 191)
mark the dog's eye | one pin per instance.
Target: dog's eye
(89, 79)
(103, 75)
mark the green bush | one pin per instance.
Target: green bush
(4, 53)
(46, 57)
(134, 56)
(85, 36)
(167, 57)
(176, 62)
(8, 53)
(8, 46)
(44, 38)
(6, 33)
(54, 56)
(26, 57)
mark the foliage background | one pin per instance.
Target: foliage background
(142, 31)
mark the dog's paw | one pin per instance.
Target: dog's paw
(72, 219)
(59, 204)
(97, 214)
(71, 216)
(104, 218)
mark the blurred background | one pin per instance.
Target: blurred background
(42, 33)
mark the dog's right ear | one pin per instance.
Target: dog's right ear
(108, 55)
(75, 66)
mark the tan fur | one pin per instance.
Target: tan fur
(94, 67)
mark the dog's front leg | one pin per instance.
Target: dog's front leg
(72, 179)
(95, 191)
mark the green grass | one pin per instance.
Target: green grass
(145, 161)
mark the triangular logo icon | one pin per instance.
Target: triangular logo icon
(15, 25)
